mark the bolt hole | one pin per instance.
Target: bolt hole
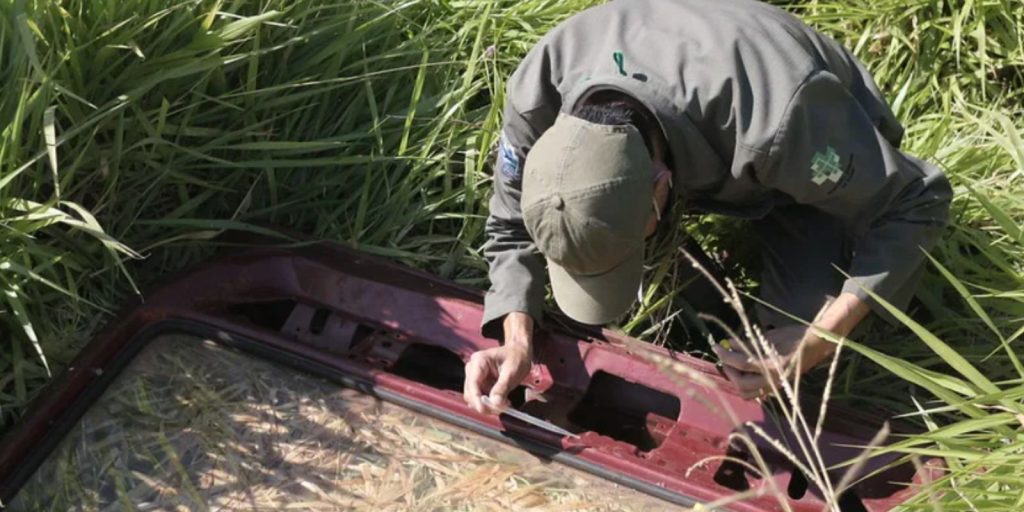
(850, 502)
(732, 474)
(797, 485)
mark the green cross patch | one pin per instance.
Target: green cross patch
(825, 167)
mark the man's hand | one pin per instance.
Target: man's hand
(752, 377)
(795, 344)
(496, 371)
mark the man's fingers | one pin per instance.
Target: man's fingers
(750, 385)
(471, 387)
(737, 360)
(501, 388)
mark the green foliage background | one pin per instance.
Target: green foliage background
(133, 132)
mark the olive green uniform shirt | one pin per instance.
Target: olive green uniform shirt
(759, 111)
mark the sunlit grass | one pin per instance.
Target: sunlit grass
(133, 132)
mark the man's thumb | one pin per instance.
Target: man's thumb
(501, 388)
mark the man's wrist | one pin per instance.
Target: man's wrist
(816, 350)
(518, 328)
(840, 317)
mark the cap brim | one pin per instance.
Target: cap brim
(598, 299)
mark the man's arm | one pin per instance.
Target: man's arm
(513, 305)
(514, 302)
(516, 267)
(800, 348)
(828, 154)
(840, 317)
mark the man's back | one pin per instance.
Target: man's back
(726, 70)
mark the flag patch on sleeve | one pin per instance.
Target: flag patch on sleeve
(508, 160)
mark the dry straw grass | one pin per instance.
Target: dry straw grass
(193, 426)
(146, 127)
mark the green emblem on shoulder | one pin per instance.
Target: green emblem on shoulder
(825, 167)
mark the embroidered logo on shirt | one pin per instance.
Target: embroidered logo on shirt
(508, 159)
(620, 61)
(826, 167)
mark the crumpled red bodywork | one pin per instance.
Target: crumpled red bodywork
(403, 335)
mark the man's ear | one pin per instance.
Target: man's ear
(662, 187)
(663, 176)
(662, 184)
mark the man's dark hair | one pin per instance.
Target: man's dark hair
(614, 114)
(615, 109)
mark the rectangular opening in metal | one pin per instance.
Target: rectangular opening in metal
(626, 411)
(434, 366)
(268, 314)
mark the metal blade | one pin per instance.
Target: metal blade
(537, 422)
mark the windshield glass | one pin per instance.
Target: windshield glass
(191, 425)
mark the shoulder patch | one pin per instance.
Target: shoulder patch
(826, 166)
(508, 159)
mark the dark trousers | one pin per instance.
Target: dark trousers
(804, 253)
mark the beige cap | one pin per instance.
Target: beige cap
(587, 192)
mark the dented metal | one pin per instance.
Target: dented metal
(403, 335)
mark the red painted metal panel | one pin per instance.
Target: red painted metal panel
(373, 320)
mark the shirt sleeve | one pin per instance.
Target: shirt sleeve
(828, 154)
(516, 267)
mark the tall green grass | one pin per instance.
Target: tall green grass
(133, 132)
